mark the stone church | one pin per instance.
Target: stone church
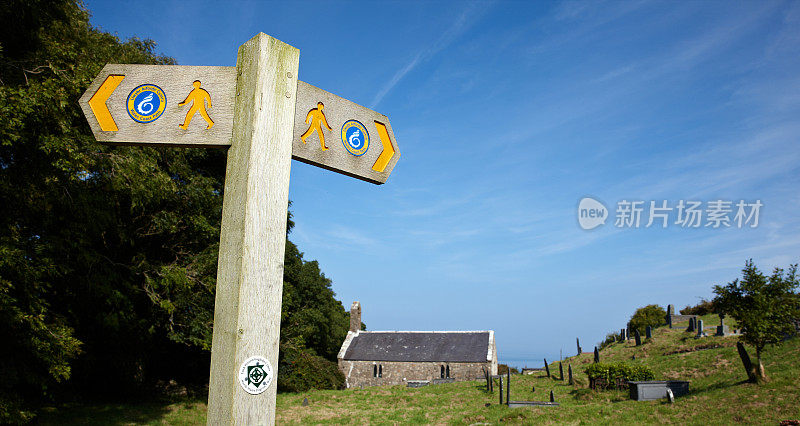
(376, 358)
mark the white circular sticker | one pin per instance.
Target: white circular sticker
(255, 375)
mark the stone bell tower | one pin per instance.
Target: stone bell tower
(355, 317)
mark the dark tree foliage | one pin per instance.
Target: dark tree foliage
(108, 254)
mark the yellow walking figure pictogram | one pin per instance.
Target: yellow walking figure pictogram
(199, 97)
(316, 118)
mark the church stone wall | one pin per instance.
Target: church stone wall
(361, 373)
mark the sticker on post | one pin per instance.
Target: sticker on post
(255, 375)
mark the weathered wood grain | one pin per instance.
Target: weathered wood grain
(250, 267)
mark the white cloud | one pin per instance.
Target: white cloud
(465, 20)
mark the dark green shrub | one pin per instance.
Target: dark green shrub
(608, 375)
(652, 315)
(703, 308)
(610, 338)
(503, 369)
(300, 369)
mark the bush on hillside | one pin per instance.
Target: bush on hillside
(503, 369)
(610, 338)
(614, 372)
(652, 315)
(703, 308)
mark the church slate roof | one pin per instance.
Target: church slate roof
(440, 346)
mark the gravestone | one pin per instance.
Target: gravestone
(622, 336)
(670, 396)
(569, 371)
(552, 397)
(652, 390)
(648, 332)
(637, 336)
(722, 329)
(305, 402)
(546, 368)
(748, 365)
(691, 328)
(501, 389)
(560, 371)
(670, 313)
(700, 328)
(508, 385)
(596, 355)
(578, 342)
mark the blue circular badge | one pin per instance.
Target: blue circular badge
(355, 137)
(146, 103)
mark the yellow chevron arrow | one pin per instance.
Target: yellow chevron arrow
(388, 149)
(98, 103)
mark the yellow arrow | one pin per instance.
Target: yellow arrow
(388, 149)
(98, 103)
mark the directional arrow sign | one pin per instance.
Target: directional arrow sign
(193, 106)
(356, 142)
(140, 105)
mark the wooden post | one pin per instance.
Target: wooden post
(253, 235)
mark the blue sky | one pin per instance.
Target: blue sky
(506, 115)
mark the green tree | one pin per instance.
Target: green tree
(108, 254)
(652, 315)
(764, 307)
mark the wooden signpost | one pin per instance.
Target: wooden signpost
(340, 135)
(266, 117)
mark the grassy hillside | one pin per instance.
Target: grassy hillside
(718, 395)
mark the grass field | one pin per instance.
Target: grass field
(719, 394)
